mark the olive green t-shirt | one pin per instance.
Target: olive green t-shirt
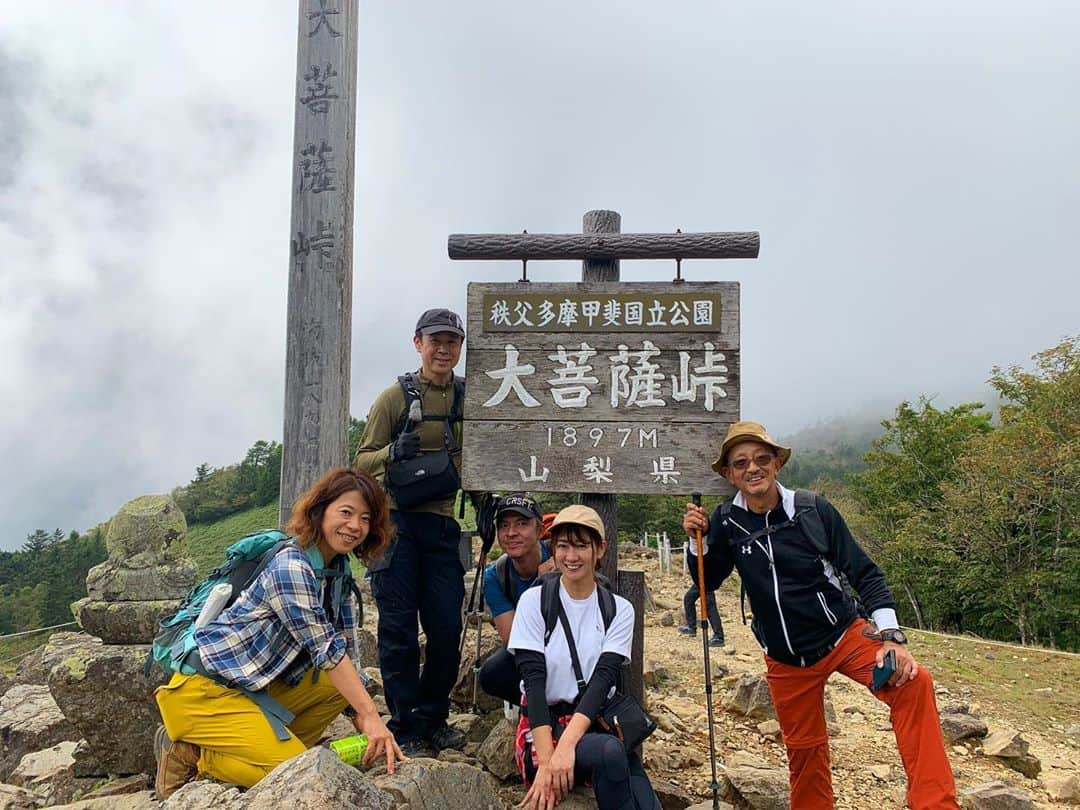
(373, 454)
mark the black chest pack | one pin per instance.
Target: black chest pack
(808, 519)
(428, 476)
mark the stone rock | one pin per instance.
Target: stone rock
(30, 720)
(708, 805)
(143, 800)
(671, 796)
(462, 693)
(581, 798)
(1062, 787)
(123, 786)
(956, 726)
(1005, 743)
(497, 752)
(204, 793)
(102, 690)
(367, 648)
(86, 764)
(17, 798)
(315, 780)
(654, 672)
(450, 755)
(152, 524)
(995, 796)
(50, 773)
(882, 772)
(760, 785)
(770, 729)
(956, 708)
(5, 683)
(1028, 764)
(1073, 731)
(751, 698)
(667, 619)
(122, 622)
(138, 579)
(832, 724)
(35, 667)
(427, 784)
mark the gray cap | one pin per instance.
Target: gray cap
(440, 320)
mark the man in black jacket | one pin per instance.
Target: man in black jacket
(807, 624)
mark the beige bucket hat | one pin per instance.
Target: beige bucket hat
(749, 432)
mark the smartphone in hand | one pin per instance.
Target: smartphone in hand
(884, 672)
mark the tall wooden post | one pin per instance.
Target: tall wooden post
(319, 322)
(603, 269)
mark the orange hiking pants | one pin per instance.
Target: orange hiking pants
(238, 745)
(798, 693)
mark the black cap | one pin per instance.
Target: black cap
(521, 503)
(440, 320)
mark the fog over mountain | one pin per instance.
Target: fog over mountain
(913, 172)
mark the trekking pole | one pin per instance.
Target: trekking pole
(704, 622)
(474, 709)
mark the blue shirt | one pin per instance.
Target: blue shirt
(497, 602)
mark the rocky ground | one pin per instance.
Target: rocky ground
(1008, 714)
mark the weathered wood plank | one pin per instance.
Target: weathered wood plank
(600, 457)
(586, 246)
(579, 385)
(724, 336)
(319, 320)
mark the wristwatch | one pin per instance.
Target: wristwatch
(895, 635)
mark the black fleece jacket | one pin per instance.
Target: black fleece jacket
(800, 607)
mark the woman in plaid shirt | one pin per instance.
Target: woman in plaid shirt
(277, 636)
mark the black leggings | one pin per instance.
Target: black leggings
(617, 777)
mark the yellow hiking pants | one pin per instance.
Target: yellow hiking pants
(238, 745)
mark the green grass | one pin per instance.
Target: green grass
(207, 542)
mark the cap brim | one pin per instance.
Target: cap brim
(520, 510)
(431, 330)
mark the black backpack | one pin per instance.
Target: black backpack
(808, 518)
(427, 476)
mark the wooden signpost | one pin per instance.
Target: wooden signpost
(317, 352)
(601, 387)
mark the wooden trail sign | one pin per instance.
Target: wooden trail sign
(318, 340)
(600, 388)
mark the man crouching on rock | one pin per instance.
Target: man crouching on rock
(791, 550)
(519, 524)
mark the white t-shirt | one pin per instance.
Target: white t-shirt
(587, 625)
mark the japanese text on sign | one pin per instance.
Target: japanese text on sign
(615, 312)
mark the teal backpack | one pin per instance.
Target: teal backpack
(174, 648)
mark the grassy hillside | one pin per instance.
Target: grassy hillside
(207, 541)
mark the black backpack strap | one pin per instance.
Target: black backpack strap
(809, 518)
(575, 662)
(607, 606)
(549, 602)
(410, 387)
(502, 576)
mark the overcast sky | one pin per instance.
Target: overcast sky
(913, 170)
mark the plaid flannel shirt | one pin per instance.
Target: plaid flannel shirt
(265, 634)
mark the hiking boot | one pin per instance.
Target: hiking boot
(447, 737)
(687, 630)
(414, 747)
(177, 763)
(716, 641)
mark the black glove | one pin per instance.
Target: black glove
(405, 446)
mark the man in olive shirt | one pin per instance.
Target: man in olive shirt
(421, 573)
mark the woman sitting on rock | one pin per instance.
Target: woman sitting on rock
(554, 745)
(278, 637)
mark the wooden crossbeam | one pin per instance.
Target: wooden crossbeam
(585, 246)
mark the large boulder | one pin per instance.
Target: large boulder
(757, 785)
(50, 773)
(316, 780)
(751, 698)
(30, 721)
(1005, 742)
(462, 693)
(205, 793)
(123, 622)
(427, 784)
(140, 580)
(152, 525)
(102, 690)
(17, 798)
(497, 752)
(1062, 787)
(35, 667)
(957, 726)
(995, 796)
(143, 800)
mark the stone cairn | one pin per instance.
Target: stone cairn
(98, 678)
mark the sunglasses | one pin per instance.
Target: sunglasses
(761, 460)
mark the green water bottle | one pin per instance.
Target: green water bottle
(351, 749)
